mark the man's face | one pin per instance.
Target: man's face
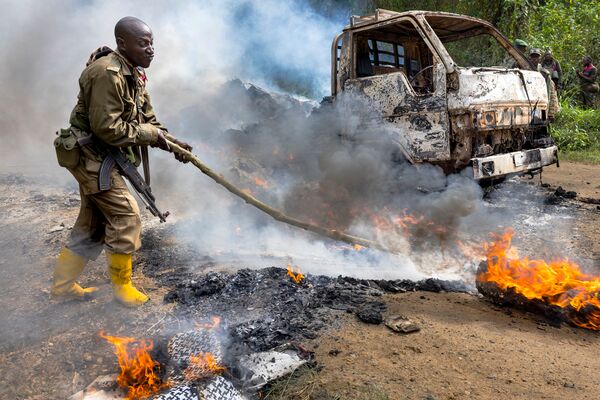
(547, 57)
(522, 49)
(534, 58)
(138, 46)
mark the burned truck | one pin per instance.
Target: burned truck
(452, 89)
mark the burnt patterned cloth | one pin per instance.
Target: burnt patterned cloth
(183, 392)
(220, 388)
(185, 344)
(217, 388)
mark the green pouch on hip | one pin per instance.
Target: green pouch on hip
(67, 148)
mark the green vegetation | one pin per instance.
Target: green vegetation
(576, 128)
(577, 133)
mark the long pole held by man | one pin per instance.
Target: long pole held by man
(113, 111)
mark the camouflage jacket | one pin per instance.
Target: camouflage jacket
(114, 105)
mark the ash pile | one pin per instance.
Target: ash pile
(265, 308)
(259, 320)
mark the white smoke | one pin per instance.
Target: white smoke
(200, 47)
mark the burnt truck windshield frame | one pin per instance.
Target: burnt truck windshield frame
(401, 47)
(472, 43)
(482, 50)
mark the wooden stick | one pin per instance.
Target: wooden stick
(276, 214)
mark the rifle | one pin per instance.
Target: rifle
(113, 156)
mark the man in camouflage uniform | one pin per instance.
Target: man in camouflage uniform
(520, 45)
(113, 105)
(535, 56)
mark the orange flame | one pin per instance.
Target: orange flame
(296, 277)
(357, 247)
(261, 182)
(560, 283)
(215, 321)
(137, 367)
(202, 366)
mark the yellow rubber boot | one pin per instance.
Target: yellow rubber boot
(119, 267)
(68, 268)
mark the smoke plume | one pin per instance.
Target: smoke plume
(241, 81)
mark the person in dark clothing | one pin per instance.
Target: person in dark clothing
(553, 67)
(589, 86)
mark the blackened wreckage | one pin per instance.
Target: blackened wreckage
(453, 89)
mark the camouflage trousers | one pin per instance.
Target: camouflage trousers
(589, 99)
(109, 219)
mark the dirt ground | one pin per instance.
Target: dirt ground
(585, 180)
(466, 348)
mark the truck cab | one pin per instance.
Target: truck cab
(452, 89)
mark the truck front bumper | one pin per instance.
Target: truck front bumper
(513, 163)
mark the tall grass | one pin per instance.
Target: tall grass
(577, 132)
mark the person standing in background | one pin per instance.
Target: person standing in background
(553, 67)
(589, 86)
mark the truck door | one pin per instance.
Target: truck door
(404, 81)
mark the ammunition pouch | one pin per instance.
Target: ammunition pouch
(67, 148)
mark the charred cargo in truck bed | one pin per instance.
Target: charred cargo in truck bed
(452, 88)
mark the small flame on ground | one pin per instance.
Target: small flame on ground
(358, 247)
(560, 282)
(215, 321)
(138, 368)
(201, 366)
(297, 277)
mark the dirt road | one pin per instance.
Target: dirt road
(466, 349)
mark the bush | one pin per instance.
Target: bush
(576, 128)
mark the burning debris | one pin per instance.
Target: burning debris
(297, 277)
(139, 374)
(194, 367)
(558, 290)
(202, 365)
(263, 314)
